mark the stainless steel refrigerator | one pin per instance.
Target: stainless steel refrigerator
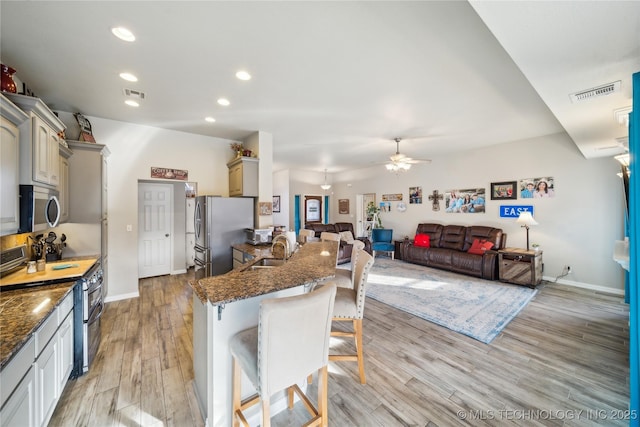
(219, 222)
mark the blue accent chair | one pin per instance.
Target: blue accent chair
(382, 241)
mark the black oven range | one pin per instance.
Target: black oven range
(88, 308)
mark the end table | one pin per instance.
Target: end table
(520, 266)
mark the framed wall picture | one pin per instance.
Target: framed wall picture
(470, 200)
(276, 203)
(265, 208)
(415, 195)
(343, 206)
(504, 190)
(392, 197)
(533, 188)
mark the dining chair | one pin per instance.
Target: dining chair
(306, 235)
(344, 278)
(349, 307)
(290, 342)
(327, 236)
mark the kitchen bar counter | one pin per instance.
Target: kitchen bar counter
(256, 251)
(312, 263)
(226, 304)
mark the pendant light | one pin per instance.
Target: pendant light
(325, 186)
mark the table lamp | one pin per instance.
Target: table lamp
(526, 219)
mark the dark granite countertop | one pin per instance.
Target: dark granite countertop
(312, 263)
(254, 250)
(18, 321)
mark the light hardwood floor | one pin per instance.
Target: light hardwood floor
(562, 361)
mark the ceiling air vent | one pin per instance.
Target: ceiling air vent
(136, 94)
(595, 92)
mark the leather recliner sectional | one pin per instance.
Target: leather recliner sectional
(449, 249)
(344, 253)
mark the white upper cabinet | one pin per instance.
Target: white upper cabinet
(11, 117)
(39, 142)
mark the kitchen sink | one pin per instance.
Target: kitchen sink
(266, 263)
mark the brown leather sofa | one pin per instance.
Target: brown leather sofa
(449, 246)
(344, 253)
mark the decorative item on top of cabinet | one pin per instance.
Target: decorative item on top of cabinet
(39, 142)
(11, 117)
(243, 177)
(7, 83)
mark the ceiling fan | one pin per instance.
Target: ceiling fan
(400, 162)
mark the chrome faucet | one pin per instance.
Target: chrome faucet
(281, 239)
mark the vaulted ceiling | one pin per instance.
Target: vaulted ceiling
(336, 82)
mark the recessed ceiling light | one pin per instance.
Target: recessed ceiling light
(243, 75)
(123, 34)
(131, 103)
(223, 101)
(128, 77)
(210, 119)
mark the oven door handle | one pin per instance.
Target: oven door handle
(94, 316)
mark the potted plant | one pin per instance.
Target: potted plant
(237, 148)
(535, 246)
(373, 214)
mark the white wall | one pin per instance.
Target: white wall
(281, 188)
(134, 150)
(577, 227)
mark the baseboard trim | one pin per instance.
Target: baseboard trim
(122, 296)
(181, 271)
(597, 288)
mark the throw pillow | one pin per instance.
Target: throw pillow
(347, 236)
(478, 247)
(423, 240)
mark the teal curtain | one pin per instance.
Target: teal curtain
(326, 210)
(296, 213)
(634, 263)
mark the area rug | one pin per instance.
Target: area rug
(474, 307)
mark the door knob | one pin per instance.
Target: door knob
(166, 235)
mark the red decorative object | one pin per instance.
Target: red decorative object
(8, 85)
(423, 240)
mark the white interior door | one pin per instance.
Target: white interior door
(154, 229)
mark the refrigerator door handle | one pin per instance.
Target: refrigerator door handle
(200, 249)
(197, 220)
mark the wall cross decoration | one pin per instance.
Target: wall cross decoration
(435, 197)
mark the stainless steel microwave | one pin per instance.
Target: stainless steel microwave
(39, 208)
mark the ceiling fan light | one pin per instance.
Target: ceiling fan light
(390, 166)
(405, 166)
(326, 185)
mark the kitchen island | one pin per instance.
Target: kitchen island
(226, 304)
